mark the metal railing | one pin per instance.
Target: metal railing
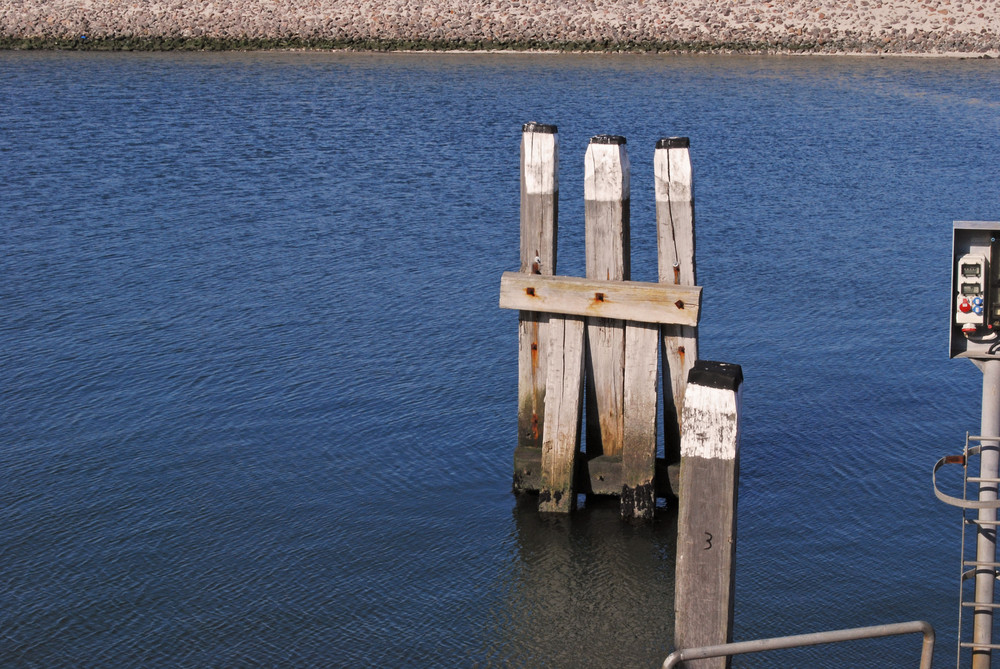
(833, 636)
(983, 568)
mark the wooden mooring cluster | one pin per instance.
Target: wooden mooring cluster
(597, 341)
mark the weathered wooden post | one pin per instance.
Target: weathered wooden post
(539, 227)
(563, 412)
(606, 191)
(675, 254)
(706, 516)
(676, 262)
(638, 495)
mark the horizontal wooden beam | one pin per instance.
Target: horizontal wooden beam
(624, 300)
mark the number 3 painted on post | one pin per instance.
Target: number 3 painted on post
(708, 541)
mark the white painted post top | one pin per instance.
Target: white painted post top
(606, 170)
(540, 144)
(710, 423)
(673, 169)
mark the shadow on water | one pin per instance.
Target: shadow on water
(587, 589)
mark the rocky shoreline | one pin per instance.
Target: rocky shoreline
(910, 27)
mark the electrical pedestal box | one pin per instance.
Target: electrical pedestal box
(975, 290)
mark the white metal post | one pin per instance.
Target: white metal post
(986, 550)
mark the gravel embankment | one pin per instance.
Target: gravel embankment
(854, 26)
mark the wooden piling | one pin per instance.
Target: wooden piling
(606, 211)
(676, 262)
(563, 412)
(625, 323)
(706, 516)
(539, 227)
(638, 495)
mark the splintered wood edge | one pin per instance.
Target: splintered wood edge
(624, 300)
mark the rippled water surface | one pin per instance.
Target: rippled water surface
(257, 400)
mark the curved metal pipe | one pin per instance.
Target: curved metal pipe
(833, 636)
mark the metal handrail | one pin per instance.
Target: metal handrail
(833, 636)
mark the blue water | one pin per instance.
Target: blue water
(258, 402)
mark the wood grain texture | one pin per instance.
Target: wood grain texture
(563, 413)
(606, 213)
(706, 516)
(532, 355)
(539, 228)
(624, 300)
(539, 201)
(676, 266)
(638, 495)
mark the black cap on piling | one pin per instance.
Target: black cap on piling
(673, 143)
(539, 127)
(724, 375)
(607, 139)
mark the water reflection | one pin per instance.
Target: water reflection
(587, 589)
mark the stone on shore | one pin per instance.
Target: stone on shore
(824, 26)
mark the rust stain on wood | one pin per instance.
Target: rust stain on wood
(534, 349)
(679, 304)
(599, 297)
(529, 291)
(677, 274)
(680, 354)
(534, 425)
